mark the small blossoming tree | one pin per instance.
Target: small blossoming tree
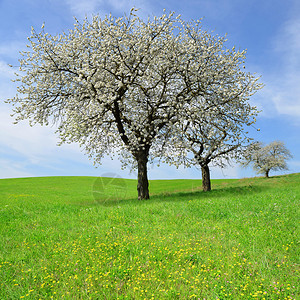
(265, 158)
(119, 85)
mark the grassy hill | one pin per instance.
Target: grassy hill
(89, 238)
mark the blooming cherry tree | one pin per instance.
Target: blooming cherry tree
(213, 137)
(265, 158)
(119, 85)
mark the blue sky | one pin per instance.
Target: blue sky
(268, 29)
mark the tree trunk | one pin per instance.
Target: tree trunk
(143, 185)
(206, 186)
(267, 173)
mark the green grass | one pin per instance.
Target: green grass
(61, 240)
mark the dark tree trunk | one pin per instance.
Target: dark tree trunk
(143, 185)
(267, 173)
(206, 186)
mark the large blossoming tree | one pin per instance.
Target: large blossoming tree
(119, 84)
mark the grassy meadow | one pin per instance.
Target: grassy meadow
(89, 238)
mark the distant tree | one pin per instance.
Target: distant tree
(119, 84)
(212, 139)
(264, 159)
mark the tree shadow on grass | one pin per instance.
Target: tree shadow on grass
(183, 196)
(214, 193)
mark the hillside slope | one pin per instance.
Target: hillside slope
(59, 239)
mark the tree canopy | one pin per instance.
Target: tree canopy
(120, 85)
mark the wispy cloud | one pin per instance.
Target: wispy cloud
(283, 87)
(82, 8)
(294, 166)
(287, 43)
(6, 70)
(32, 151)
(13, 169)
(16, 137)
(87, 8)
(11, 49)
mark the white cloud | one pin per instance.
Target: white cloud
(287, 102)
(83, 8)
(6, 70)
(24, 148)
(12, 169)
(32, 147)
(294, 166)
(88, 7)
(12, 49)
(288, 43)
(283, 87)
(217, 9)
(22, 138)
(227, 172)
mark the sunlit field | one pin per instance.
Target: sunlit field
(88, 238)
